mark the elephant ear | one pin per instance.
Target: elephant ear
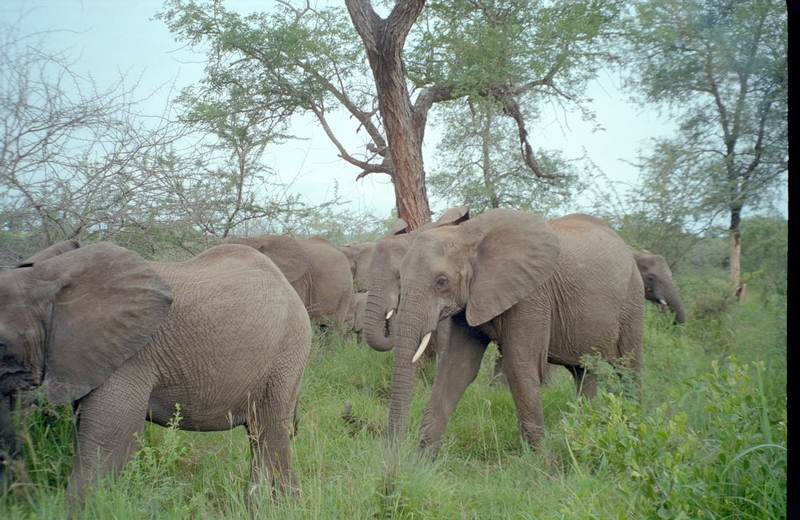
(107, 305)
(645, 261)
(453, 217)
(517, 252)
(398, 228)
(50, 252)
(287, 254)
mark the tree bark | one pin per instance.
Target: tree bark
(384, 40)
(736, 245)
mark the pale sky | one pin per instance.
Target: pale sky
(120, 36)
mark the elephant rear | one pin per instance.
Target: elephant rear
(598, 305)
(250, 334)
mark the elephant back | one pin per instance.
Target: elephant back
(217, 295)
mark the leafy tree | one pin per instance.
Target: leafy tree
(720, 68)
(477, 165)
(765, 251)
(310, 60)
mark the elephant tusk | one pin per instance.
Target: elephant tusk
(389, 314)
(662, 301)
(424, 343)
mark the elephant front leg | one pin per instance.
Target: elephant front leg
(110, 422)
(459, 361)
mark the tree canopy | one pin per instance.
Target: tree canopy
(300, 59)
(720, 68)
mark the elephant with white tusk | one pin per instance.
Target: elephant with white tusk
(544, 292)
(384, 279)
(658, 284)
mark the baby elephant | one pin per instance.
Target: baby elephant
(223, 335)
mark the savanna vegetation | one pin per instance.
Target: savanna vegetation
(707, 436)
(708, 439)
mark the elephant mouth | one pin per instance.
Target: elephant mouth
(386, 331)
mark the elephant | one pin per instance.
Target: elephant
(316, 269)
(384, 278)
(544, 292)
(359, 254)
(355, 312)
(658, 284)
(223, 335)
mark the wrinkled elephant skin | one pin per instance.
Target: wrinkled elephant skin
(317, 270)
(223, 335)
(543, 292)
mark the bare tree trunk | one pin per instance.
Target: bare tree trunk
(487, 170)
(384, 41)
(736, 246)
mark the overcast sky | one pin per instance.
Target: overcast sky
(120, 36)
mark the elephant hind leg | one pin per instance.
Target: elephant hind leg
(271, 422)
(585, 381)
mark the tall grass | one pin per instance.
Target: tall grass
(706, 438)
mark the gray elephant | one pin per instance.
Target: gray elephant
(658, 284)
(223, 335)
(384, 279)
(355, 313)
(542, 292)
(359, 254)
(316, 269)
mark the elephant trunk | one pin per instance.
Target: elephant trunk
(675, 303)
(376, 324)
(9, 440)
(414, 328)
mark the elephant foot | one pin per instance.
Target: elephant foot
(532, 433)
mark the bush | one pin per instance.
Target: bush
(729, 461)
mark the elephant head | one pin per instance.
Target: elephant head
(658, 284)
(355, 312)
(359, 255)
(384, 278)
(70, 316)
(484, 266)
(283, 250)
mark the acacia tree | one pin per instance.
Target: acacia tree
(720, 67)
(478, 165)
(75, 158)
(311, 61)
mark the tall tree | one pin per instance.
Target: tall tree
(478, 164)
(720, 67)
(311, 61)
(384, 40)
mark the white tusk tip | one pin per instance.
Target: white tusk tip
(424, 343)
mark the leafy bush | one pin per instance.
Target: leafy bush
(729, 461)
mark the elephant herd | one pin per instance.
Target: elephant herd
(226, 335)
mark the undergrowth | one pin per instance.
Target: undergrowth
(705, 437)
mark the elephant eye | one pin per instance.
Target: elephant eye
(441, 283)
(651, 278)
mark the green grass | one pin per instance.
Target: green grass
(707, 439)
